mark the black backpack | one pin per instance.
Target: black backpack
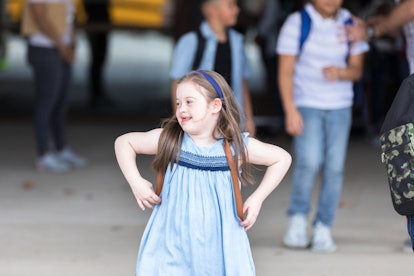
(201, 43)
(397, 148)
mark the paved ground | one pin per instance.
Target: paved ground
(88, 223)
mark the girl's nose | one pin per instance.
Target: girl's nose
(180, 108)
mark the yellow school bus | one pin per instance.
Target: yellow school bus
(123, 13)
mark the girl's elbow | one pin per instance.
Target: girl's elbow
(288, 159)
(119, 141)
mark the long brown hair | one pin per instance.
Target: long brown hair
(228, 126)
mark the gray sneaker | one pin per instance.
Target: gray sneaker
(50, 163)
(296, 236)
(322, 241)
(72, 159)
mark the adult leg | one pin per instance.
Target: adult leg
(98, 13)
(59, 109)
(64, 153)
(98, 44)
(47, 77)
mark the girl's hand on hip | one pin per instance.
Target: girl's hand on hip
(145, 195)
(252, 207)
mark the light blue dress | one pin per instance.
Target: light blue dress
(195, 230)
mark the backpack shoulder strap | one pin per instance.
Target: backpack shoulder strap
(201, 42)
(235, 179)
(160, 181)
(305, 27)
(349, 21)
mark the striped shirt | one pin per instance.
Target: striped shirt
(325, 46)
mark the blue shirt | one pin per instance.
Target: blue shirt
(184, 54)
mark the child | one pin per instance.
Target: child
(315, 83)
(223, 52)
(194, 229)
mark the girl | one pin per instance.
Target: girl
(315, 83)
(194, 229)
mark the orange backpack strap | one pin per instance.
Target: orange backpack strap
(160, 181)
(234, 178)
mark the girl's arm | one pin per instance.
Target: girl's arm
(352, 72)
(127, 147)
(293, 119)
(277, 161)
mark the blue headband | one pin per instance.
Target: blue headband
(213, 83)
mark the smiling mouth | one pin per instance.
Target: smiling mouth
(185, 119)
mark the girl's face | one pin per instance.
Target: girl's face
(226, 11)
(327, 8)
(195, 115)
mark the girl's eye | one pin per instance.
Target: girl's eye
(189, 102)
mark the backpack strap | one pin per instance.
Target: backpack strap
(160, 182)
(304, 28)
(234, 178)
(349, 21)
(201, 42)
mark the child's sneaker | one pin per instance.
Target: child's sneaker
(322, 239)
(296, 236)
(407, 246)
(72, 159)
(50, 163)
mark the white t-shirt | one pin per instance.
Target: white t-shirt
(325, 46)
(43, 40)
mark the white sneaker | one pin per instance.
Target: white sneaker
(72, 159)
(407, 246)
(296, 236)
(322, 239)
(50, 163)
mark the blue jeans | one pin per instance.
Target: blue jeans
(321, 147)
(410, 227)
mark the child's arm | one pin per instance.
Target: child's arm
(352, 72)
(127, 147)
(277, 161)
(293, 119)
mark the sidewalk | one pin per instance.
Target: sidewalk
(87, 223)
